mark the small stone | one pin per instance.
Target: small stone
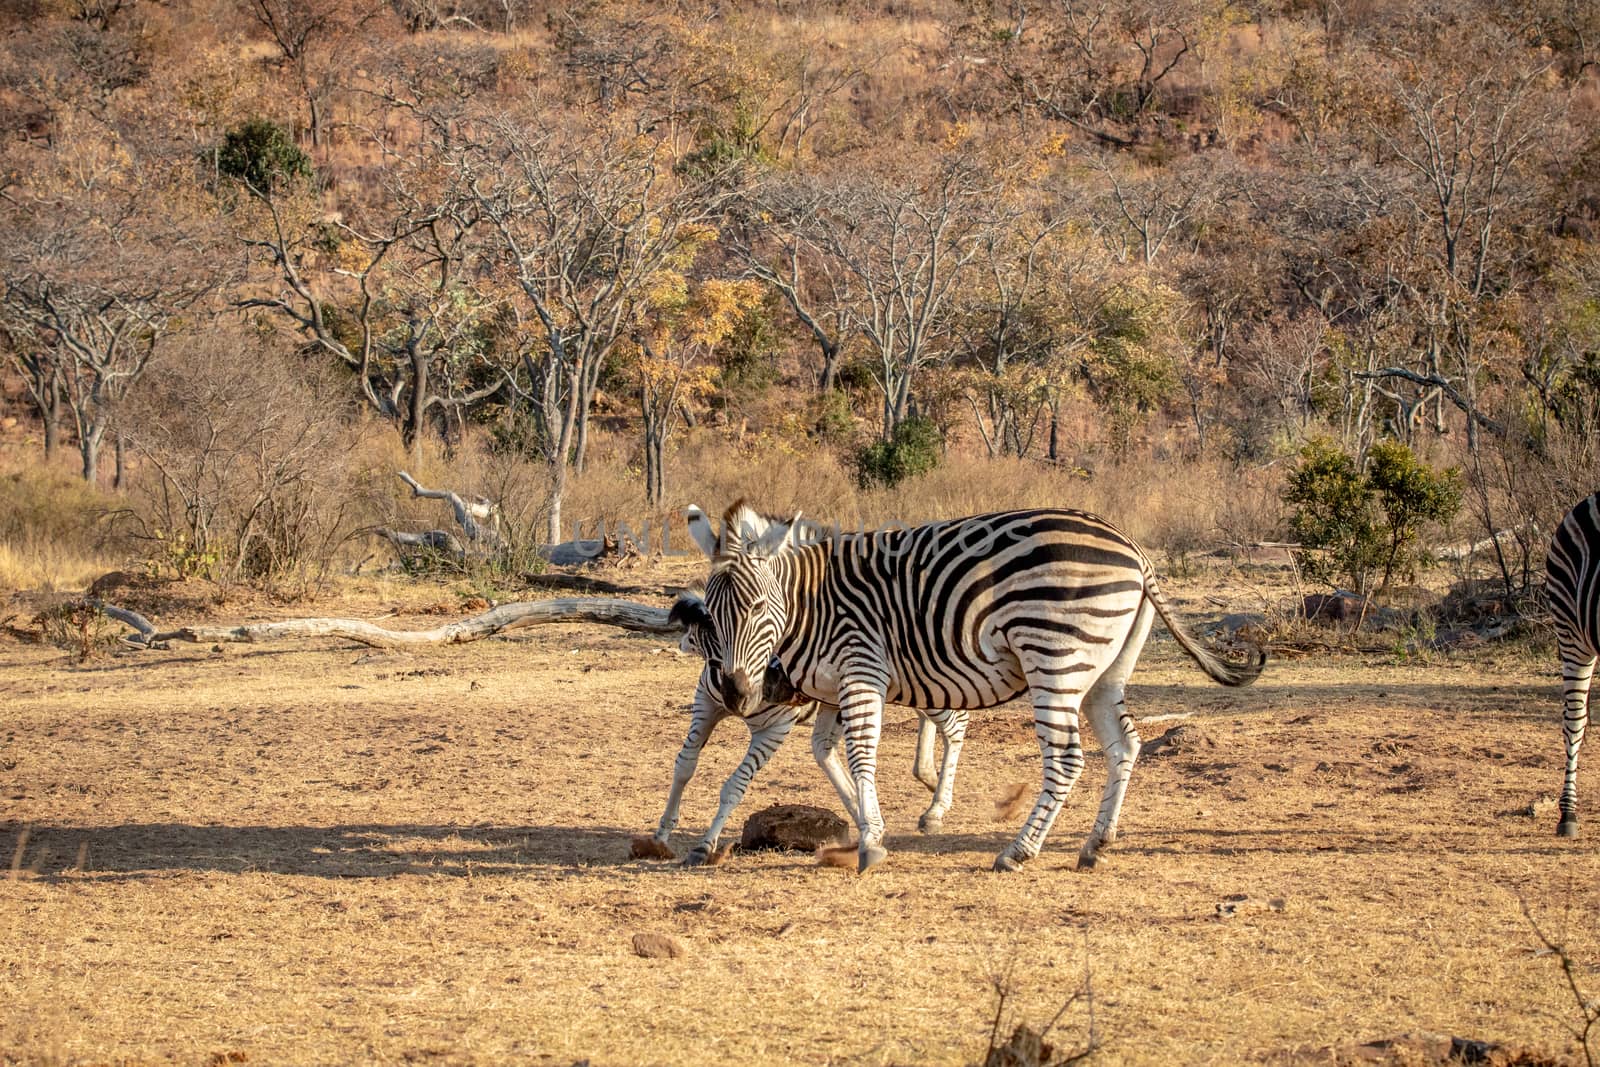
(653, 946)
(1180, 740)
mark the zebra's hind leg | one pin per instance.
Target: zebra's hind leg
(1577, 671)
(826, 733)
(922, 766)
(952, 727)
(1055, 720)
(1108, 717)
(1107, 711)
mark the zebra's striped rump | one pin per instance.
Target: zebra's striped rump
(1572, 587)
(967, 613)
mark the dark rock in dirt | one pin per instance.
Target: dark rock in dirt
(655, 946)
(792, 828)
(1340, 606)
(1184, 739)
(1024, 1049)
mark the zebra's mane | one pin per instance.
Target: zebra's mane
(752, 524)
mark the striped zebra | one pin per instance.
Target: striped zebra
(962, 614)
(1572, 585)
(777, 711)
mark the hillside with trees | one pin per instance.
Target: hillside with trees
(602, 259)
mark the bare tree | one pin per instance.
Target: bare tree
(585, 222)
(1146, 211)
(773, 237)
(906, 243)
(312, 38)
(1018, 323)
(40, 366)
(1466, 134)
(401, 301)
(106, 256)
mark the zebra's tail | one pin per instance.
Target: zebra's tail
(1220, 670)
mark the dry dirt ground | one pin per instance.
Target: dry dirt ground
(324, 854)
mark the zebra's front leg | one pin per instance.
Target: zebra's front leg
(1055, 721)
(1576, 676)
(952, 728)
(922, 765)
(764, 741)
(826, 733)
(861, 710)
(701, 724)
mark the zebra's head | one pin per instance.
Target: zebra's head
(743, 597)
(700, 638)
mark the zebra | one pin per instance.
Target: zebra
(778, 711)
(1572, 586)
(960, 614)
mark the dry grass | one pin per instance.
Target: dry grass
(327, 854)
(53, 536)
(1174, 507)
(49, 567)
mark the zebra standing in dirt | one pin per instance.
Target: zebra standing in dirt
(778, 711)
(962, 614)
(1572, 586)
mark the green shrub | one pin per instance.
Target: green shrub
(914, 449)
(262, 155)
(1354, 524)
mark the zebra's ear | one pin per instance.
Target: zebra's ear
(702, 532)
(777, 538)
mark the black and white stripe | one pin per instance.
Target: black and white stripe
(1572, 586)
(954, 615)
(777, 712)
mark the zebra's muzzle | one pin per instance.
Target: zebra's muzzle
(739, 695)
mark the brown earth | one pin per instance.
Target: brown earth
(323, 854)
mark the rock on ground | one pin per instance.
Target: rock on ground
(1180, 740)
(792, 828)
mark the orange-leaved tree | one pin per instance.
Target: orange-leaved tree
(673, 357)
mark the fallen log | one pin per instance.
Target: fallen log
(626, 614)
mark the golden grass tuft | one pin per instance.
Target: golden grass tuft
(837, 856)
(52, 531)
(645, 847)
(1010, 805)
(49, 568)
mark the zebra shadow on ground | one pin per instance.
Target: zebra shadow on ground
(365, 850)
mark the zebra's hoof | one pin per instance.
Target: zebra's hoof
(870, 857)
(1087, 859)
(929, 825)
(1568, 826)
(698, 857)
(1004, 863)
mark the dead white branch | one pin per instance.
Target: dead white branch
(478, 518)
(627, 614)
